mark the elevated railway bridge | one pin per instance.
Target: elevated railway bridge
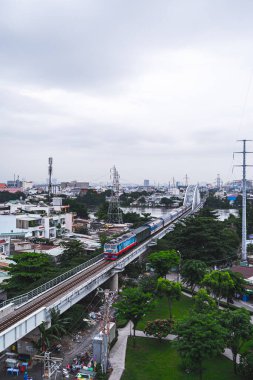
(21, 315)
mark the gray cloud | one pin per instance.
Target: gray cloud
(159, 88)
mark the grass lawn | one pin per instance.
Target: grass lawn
(161, 311)
(151, 360)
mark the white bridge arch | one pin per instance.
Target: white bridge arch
(192, 196)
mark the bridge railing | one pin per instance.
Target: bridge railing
(19, 300)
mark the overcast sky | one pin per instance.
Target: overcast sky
(158, 88)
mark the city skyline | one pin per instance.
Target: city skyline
(158, 89)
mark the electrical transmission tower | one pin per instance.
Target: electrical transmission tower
(50, 170)
(244, 198)
(114, 211)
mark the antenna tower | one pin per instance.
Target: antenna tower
(218, 182)
(50, 170)
(244, 197)
(114, 211)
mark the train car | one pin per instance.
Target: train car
(141, 233)
(173, 214)
(166, 219)
(116, 247)
(155, 225)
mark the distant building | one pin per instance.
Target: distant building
(75, 187)
(15, 183)
(27, 185)
(146, 183)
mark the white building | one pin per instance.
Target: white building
(36, 225)
(27, 185)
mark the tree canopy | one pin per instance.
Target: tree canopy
(171, 289)
(163, 261)
(72, 248)
(5, 196)
(29, 269)
(192, 273)
(219, 283)
(200, 337)
(238, 327)
(77, 206)
(159, 328)
(133, 305)
(204, 238)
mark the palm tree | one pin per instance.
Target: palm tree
(46, 337)
(58, 323)
(55, 332)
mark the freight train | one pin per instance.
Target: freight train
(117, 246)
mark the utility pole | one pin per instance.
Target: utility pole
(114, 211)
(50, 170)
(108, 297)
(244, 261)
(51, 365)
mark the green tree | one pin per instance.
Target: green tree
(239, 285)
(29, 269)
(132, 217)
(246, 365)
(59, 323)
(146, 216)
(238, 327)
(159, 328)
(171, 289)
(77, 206)
(219, 283)
(204, 238)
(148, 284)
(142, 200)
(192, 273)
(102, 212)
(203, 303)
(133, 305)
(200, 337)
(46, 337)
(72, 248)
(214, 202)
(53, 334)
(163, 261)
(6, 196)
(168, 202)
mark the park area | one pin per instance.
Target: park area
(150, 359)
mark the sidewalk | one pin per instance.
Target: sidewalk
(118, 353)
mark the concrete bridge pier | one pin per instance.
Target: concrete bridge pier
(114, 283)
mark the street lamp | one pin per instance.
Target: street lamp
(179, 267)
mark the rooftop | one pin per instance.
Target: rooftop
(247, 272)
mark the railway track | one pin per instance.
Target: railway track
(51, 295)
